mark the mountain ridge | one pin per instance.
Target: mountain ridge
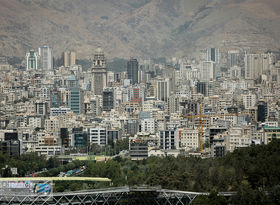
(147, 28)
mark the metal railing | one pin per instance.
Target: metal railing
(119, 195)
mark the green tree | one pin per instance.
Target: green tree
(212, 199)
(6, 172)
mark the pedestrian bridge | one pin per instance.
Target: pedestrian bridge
(119, 195)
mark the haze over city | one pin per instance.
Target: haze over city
(139, 101)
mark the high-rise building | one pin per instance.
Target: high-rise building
(148, 125)
(262, 111)
(55, 98)
(80, 138)
(170, 73)
(136, 93)
(205, 88)
(249, 100)
(173, 104)
(252, 66)
(69, 58)
(207, 71)
(131, 127)
(65, 138)
(95, 106)
(233, 58)
(98, 136)
(169, 139)
(99, 73)
(213, 54)
(32, 60)
(11, 145)
(72, 58)
(113, 136)
(76, 100)
(132, 70)
(110, 77)
(163, 90)
(257, 64)
(108, 100)
(46, 58)
(201, 87)
(41, 108)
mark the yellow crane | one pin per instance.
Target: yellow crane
(200, 124)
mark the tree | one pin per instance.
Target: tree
(95, 148)
(52, 162)
(212, 199)
(6, 172)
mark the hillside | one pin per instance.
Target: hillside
(137, 27)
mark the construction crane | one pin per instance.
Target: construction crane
(200, 128)
(200, 125)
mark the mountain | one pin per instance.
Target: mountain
(125, 28)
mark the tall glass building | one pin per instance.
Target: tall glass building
(32, 60)
(132, 70)
(76, 100)
(46, 58)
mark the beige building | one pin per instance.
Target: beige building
(189, 138)
(236, 138)
(249, 100)
(99, 73)
(69, 58)
(271, 133)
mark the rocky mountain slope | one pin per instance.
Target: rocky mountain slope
(145, 28)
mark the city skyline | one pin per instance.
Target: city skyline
(139, 102)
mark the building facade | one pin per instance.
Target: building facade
(163, 90)
(99, 73)
(69, 58)
(168, 139)
(108, 100)
(46, 58)
(32, 60)
(132, 70)
(98, 136)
